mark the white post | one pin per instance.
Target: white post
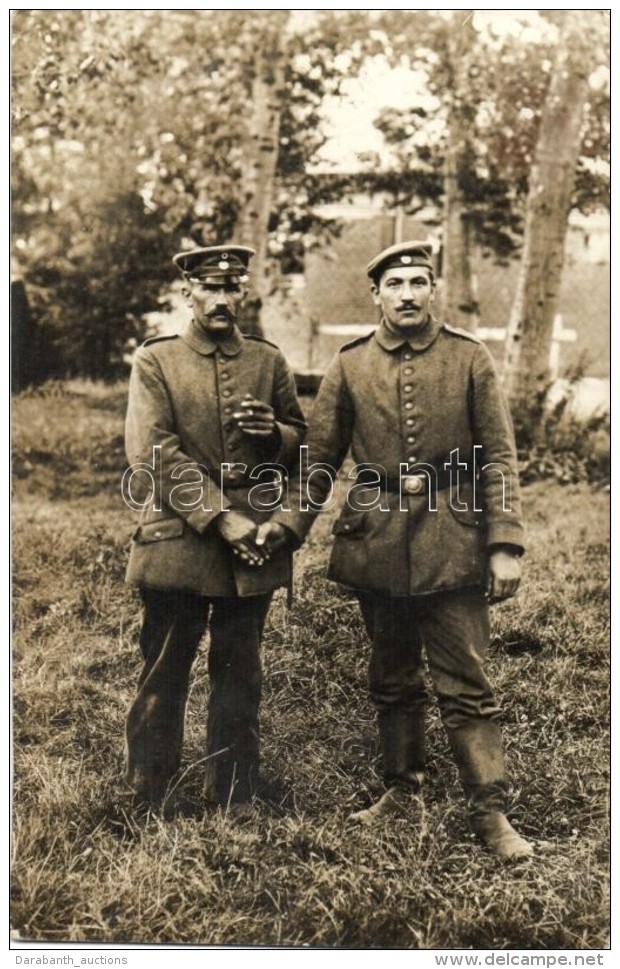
(399, 217)
(558, 336)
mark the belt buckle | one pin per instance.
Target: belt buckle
(413, 484)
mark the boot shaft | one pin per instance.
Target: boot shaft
(403, 746)
(478, 753)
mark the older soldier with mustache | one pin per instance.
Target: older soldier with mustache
(206, 408)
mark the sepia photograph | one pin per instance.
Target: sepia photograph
(311, 482)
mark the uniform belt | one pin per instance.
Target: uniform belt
(416, 483)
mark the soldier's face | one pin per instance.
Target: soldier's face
(215, 304)
(405, 295)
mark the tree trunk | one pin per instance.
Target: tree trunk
(460, 303)
(260, 156)
(552, 179)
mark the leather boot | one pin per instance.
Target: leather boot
(230, 782)
(392, 803)
(402, 743)
(149, 787)
(479, 755)
(487, 805)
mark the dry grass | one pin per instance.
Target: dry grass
(86, 868)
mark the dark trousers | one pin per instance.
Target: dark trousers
(452, 629)
(174, 623)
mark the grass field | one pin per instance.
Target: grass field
(86, 869)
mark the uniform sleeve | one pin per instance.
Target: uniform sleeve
(290, 420)
(149, 424)
(497, 458)
(327, 443)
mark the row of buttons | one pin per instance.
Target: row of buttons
(408, 388)
(231, 444)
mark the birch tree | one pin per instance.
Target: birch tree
(137, 133)
(465, 147)
(549, 201)
(459, 299)
(259, 156)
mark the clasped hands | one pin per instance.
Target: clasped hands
(251, 543)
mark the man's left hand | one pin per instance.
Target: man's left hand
(255, 417)
(504, 575)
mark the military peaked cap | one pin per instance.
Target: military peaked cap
(402, 255)
(215, 262)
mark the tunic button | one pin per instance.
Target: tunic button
(228, 410)
(412, 460)
(408, 404)
(227, 392)
(407, 388)
(407, 356)
(408, 371)
(157, 534)
(411, 439)
(225, 375)
(409, 421)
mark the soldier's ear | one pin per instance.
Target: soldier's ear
(187, 295)
(374, 291)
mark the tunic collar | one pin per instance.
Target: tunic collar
(418, 340)
(201, 342)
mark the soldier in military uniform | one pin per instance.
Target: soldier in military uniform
(206, 408)
(420, 406)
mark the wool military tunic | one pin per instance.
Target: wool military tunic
(189, 461)
(413, 401)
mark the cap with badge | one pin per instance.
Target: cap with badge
(215, 263)
(402, 255)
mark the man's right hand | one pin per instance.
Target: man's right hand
(239, 532)
(272, 536)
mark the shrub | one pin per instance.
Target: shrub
(555, 442)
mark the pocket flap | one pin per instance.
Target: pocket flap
(462, 506)
(350, 523)
(159, 531)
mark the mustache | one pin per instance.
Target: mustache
(221, 311)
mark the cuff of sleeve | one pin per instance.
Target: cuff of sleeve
(508, 547)
(506, 533)
(288, 441)
(297, 528)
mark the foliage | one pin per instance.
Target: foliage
(507, 78)
(554, 442)
(86, 868)
(129, 131)
(93, 258)
(195, 173)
